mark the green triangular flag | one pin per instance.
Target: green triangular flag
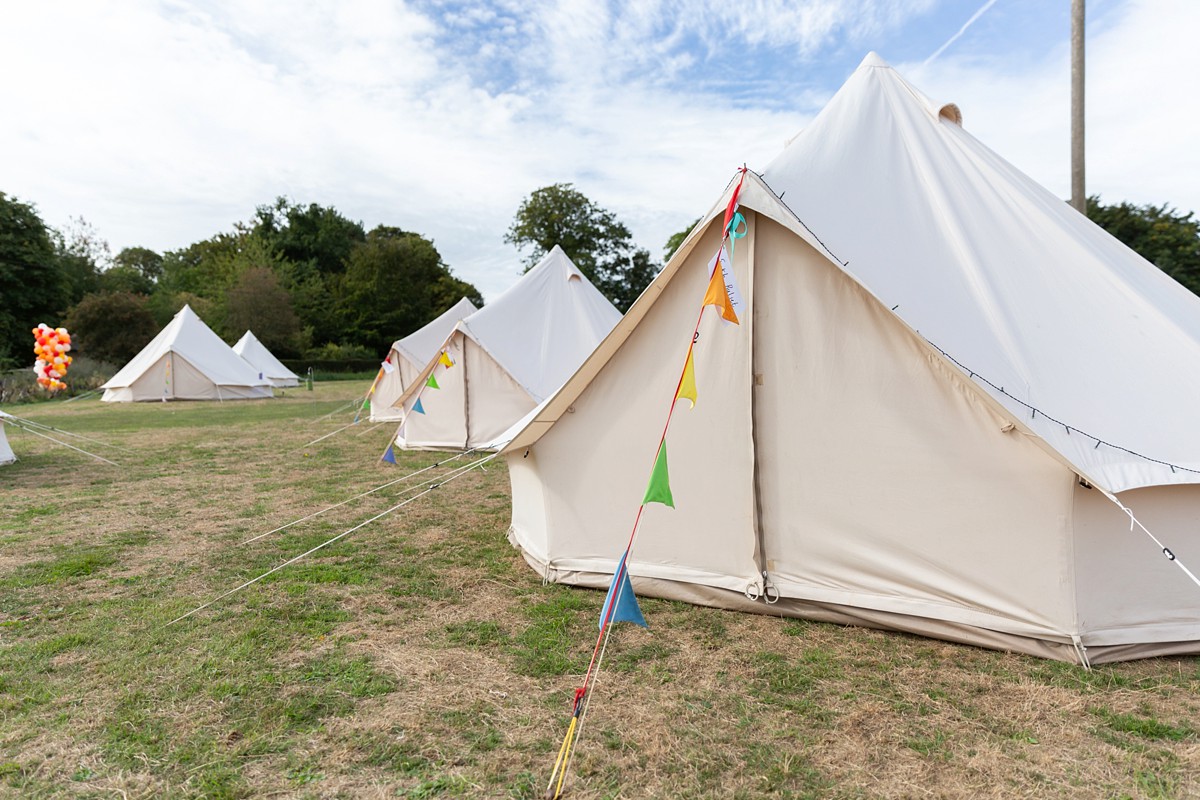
(659, 490)
(432, 382)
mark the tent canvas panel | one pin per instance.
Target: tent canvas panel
(443, 421)
(495, 399)
(880, 467)
(7, 456)
(608, 438)
(150, 384)
(391, 385)
(1128, 592)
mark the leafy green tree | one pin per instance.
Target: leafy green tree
(32, 288)
(677, 239)
(143, 260)
(112, 327)
(1161, 235)
(395, 282)
(257, 302)
(82, 255)
(312, 234)
(124, 279)
(592, 237)
(314, 244)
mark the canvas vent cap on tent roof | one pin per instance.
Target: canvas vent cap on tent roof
(951, 112)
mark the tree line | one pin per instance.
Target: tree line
(312, 283)
(306, 279)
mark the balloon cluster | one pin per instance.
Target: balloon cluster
(51, 346)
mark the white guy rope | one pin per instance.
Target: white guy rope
(46, 427)
(1166, 551)
(56, 441)
(460, 472)
(363, 494)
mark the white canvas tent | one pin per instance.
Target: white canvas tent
(508, 357)
(256, 354)
(7, 456)
(943, 379)
(186, 361)
(408, 357)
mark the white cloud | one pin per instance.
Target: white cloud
(162, 123)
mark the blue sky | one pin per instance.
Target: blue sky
(163, 122)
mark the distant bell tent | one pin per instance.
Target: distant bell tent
(186, 361)
(7, 456)
(500, 362)
(408, 356)
(949, 406)
(256, 354)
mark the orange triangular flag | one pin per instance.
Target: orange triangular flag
(717, 295)
(687, 384)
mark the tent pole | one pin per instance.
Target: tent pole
(466, 398)
(755, 378)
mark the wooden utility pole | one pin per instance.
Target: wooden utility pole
(1078, 195)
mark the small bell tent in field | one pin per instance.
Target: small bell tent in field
(7, 456)
(500, 362)
(186, 361)
(256, 354)
(408, 356)
(951, 405)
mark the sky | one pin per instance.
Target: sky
(162, 122)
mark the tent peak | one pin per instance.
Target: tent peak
(873, 59)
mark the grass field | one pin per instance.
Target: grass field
(419, 657)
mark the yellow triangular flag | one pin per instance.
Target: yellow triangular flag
(445, 359)
(687, 384)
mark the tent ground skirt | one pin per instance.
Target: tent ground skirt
(718, 598)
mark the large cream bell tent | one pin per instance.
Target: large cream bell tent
(186, 361)
(407, 357)
(500, 362)
(256, 354)
(951, 406)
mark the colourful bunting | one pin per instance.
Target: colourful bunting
(417, 407)
(733, 203)
(718, 295)
(737, 230)
(432, 382)
(389, 455)
(687, 384)
(627, 609)
(659, 489)
(444, 358)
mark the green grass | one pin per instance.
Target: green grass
(420, 657)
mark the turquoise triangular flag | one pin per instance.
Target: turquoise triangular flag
(627, 609)
(659, 489)
(389, 456)
(417, 407)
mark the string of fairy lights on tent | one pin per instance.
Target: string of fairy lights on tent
(1033, 410)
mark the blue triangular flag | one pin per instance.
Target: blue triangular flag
(389, 456)
(417, 407)
(627, 609)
